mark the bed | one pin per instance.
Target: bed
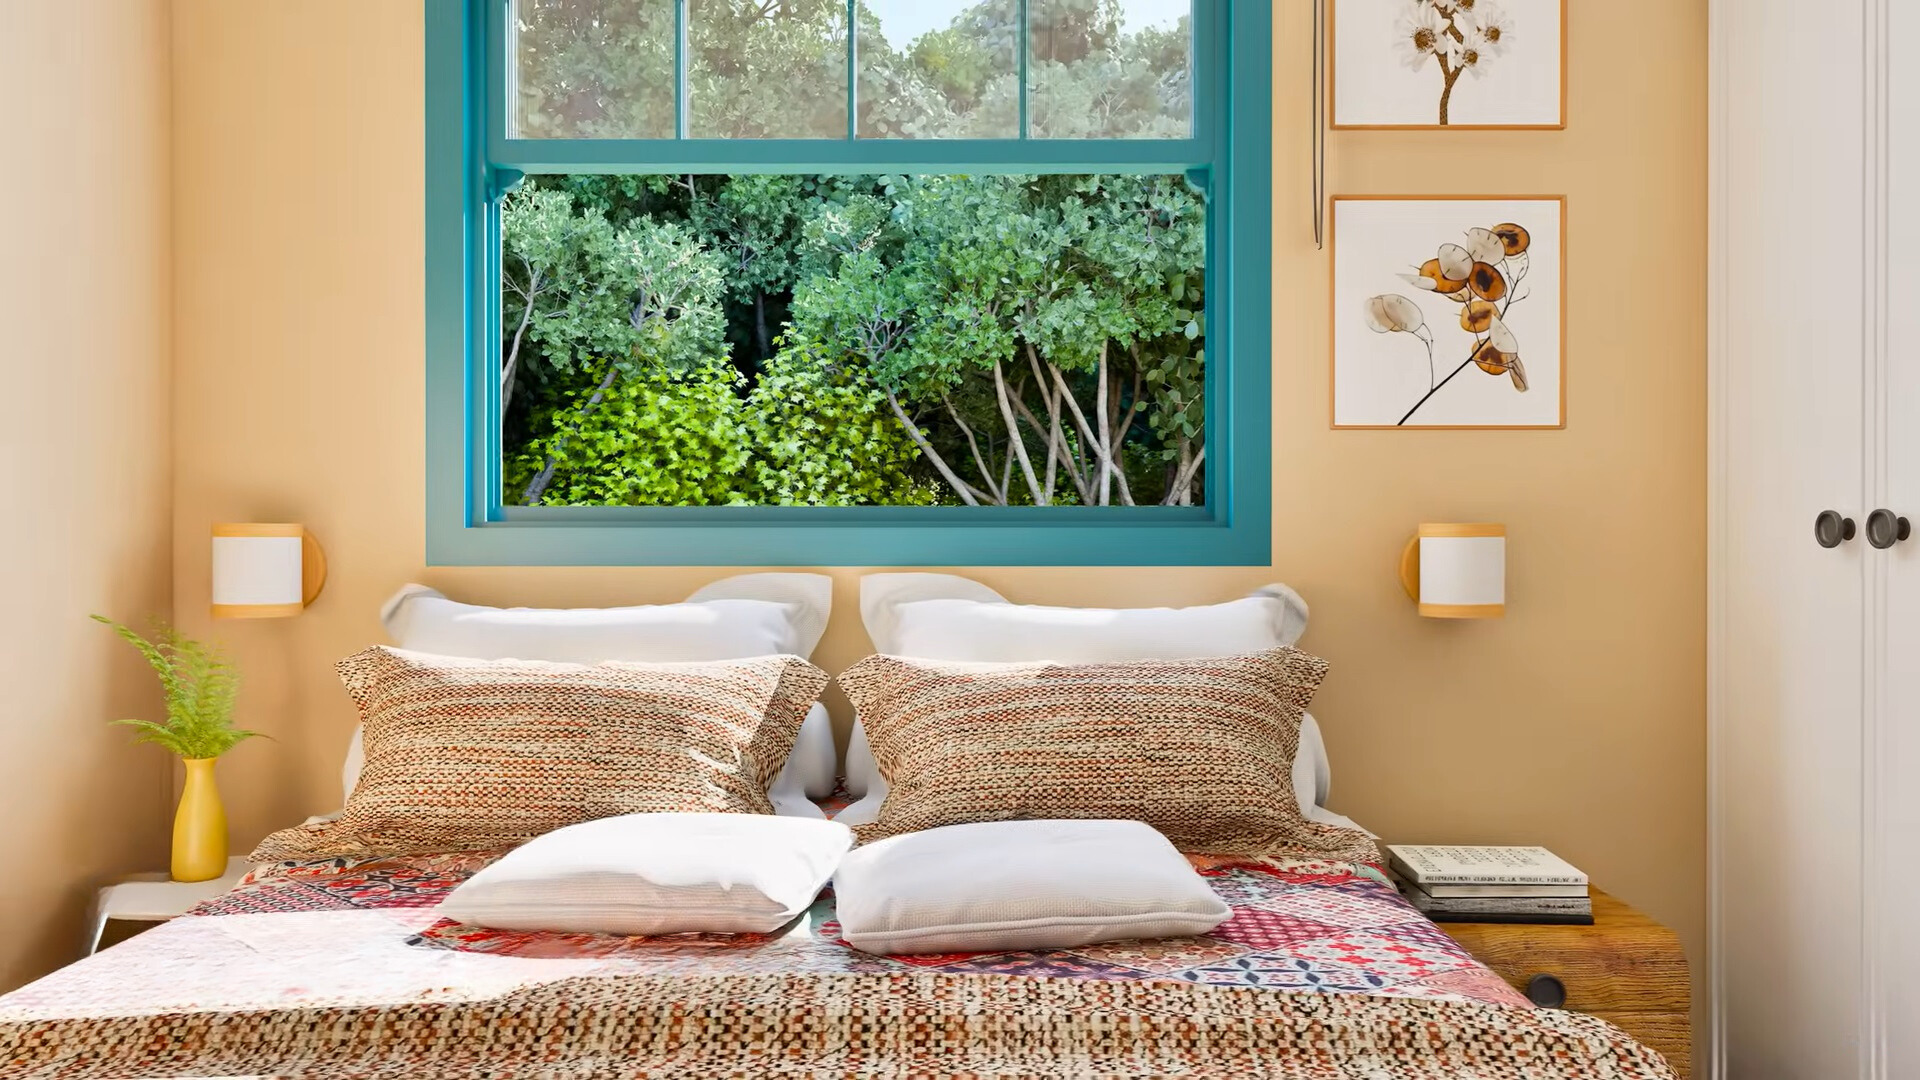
(342, 968)
(332, 959)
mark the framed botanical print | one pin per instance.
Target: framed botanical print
(1449, 64)
(1449, 311)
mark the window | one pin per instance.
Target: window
(848, 281)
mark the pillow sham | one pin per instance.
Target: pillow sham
(1312, 777)
(809, 773)
(656, 874)
(739, 616)
(744, 615)
(1020, 885)
(1200, 749)
(948, 617)
(469, 754)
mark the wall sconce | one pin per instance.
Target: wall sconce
(1457, 571)
(265, 571)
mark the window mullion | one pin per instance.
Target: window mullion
(1023, 62)
(681, 96)
(853, 72)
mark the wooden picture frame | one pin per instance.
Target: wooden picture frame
(1333, 79)
(1370, 275)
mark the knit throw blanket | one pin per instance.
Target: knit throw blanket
(879, 1026)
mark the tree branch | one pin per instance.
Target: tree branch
(509, 374)
(1105, 484)
(1056, 438)
(1087, 438)
(1056, 441)
(1120, 433)
(986, 473)
(966, 491)
(1013, 433)
(1183, 480)
(531, 497)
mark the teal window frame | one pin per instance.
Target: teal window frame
(471, 163)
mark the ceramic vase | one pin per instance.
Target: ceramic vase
(199, 826)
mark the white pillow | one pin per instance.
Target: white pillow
(731, 619)
(1005, 885)
(657, 874)
(947, 617)
(737, 617)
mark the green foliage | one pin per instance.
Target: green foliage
(804, 435)
(767, 69)
(200, 687)
(565, 280)
(657, 438)
(959, 335)
(677, 280)
(822, 437)
(1040, 281)
(777, 69)
(594, 69)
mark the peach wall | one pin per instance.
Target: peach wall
(1576, 722)
(84, 297)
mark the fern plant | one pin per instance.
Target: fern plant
(200, 686)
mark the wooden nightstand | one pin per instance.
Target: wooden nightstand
(1625, 968)
(155, 898)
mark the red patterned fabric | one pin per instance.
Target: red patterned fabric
(340, 968)
(1296, 925)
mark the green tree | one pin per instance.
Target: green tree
(1003, 340)
(761, 69)
(674, 319)
(1050, 300)
(753, 221)
(656, 438)
(604, 69)
(594, 69)
(821, 436)
(564, 296)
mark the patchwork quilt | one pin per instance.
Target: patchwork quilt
(343, 969)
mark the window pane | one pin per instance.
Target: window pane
(767, 69)
(939, 69)
(592, 69)
(853, 341)
(1110, 69)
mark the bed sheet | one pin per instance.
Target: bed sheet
(365, 931)
(343, 969)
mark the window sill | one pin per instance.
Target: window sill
(863, 536)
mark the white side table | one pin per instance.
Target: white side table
(156, 898)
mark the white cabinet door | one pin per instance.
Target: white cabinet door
(1894, 717)
(1789, 388)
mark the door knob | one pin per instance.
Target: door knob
(1885, 528)
(1830, 530)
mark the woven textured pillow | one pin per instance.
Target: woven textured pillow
(473, 754)
(1200, 749)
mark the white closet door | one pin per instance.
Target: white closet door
(1789, 387)
(1894, 722)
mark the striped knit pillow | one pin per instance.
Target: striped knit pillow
(1201, 750)
(474, 754)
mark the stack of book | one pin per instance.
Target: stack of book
(1491, 884)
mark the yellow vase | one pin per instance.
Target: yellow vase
(199, 826)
